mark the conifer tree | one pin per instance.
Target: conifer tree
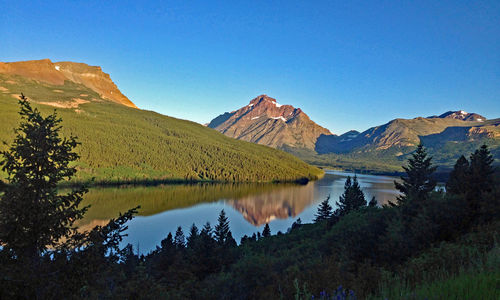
(193, 235)
(33, 215)
(167, 242)
(230, 241)
(267, 231)
(222, 228)
(373, 202)
(480, 180)
(481, 171)
(179, 239)
(352, 198)
(324, 211)
(206, 231)
(418, 182)
(458, 181)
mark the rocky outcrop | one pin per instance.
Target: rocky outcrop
(56, 73)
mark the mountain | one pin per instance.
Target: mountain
(380, 148)
(446, 136)
(409, 133)
(266, 122)
(461, 115)
(122, 143)
(57, 73)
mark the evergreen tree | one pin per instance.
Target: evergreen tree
(179, 239)
(481, 171)
(33, 216)
(193, 235)
(167, 242)
(418, 182)
(458, 181)
(206, 231)
(267, 231)
(222, 228)
(352, 198)
(373, 202)
(480, 180)
(324, 211)
(230, 241)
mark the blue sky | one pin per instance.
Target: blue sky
(347, 64)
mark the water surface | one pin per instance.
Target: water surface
(248, 206)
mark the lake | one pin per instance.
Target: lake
(248, 206)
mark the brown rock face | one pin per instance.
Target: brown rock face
(266, 122)
(56, 73)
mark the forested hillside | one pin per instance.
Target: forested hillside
(119, 143)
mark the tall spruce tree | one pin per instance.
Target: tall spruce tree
(418, 182)
(480, 180)
(324, 211)
(481, 171)
(222, 228)
(179, 239)
(352, 198)
(267, 231)
(458, 182)
(193, 236)
(33, 215)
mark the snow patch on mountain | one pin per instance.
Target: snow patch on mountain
(280, 118)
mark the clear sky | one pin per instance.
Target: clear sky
(347, 64)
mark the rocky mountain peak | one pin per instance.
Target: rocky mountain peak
(267, 122)
(461, 115)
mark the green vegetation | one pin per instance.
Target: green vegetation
(389, 161)
(119, 143)
(430, 244)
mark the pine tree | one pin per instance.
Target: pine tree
(480, 180)
(373, 202)
(193, 235)
(418, 182)
(352, 198)
(230, 241)
(206, 230)
(33, 216)
(481, 171)
(458, 181)
(267, 231)
(167, 242)
(222, 228)
(179, 239)
(324, 211)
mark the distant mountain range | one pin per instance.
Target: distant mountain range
(120, 143)
(382, 147)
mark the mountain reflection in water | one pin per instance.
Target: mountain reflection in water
(249, 206)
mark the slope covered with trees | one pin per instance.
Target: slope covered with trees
(119, 143)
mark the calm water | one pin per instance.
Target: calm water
(248, 206)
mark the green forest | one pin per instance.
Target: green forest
(121, 144)
(429, 243)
